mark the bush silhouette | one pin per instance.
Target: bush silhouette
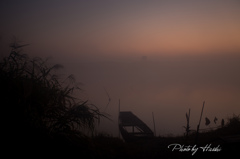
(35, 103)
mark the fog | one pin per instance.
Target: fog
(166, 85)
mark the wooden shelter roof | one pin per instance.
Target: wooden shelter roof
(129, 119)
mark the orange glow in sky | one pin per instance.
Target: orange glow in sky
(78, 32)
(195, 28)
(109, 27)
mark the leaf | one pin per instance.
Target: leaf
(207, 121)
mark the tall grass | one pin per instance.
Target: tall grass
(34, 96)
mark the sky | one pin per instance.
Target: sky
(161, 56)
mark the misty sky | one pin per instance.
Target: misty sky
(162, 56)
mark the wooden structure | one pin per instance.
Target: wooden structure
(132, 128)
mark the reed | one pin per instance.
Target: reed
(37, 97)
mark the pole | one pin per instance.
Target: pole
(118, 118)
(199, 124)
(188, 120)
(154, 124)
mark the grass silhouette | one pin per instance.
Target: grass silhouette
(39, 109)
(42, 119)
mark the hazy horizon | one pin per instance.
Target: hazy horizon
(167, 86)
(161, 56)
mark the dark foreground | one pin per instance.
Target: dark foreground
(39, 144)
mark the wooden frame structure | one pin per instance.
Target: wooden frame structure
(132, 128)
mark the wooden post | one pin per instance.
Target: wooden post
(119, 107)
(154, 124)
(118, 118)
(199, 124)
(188, 120)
